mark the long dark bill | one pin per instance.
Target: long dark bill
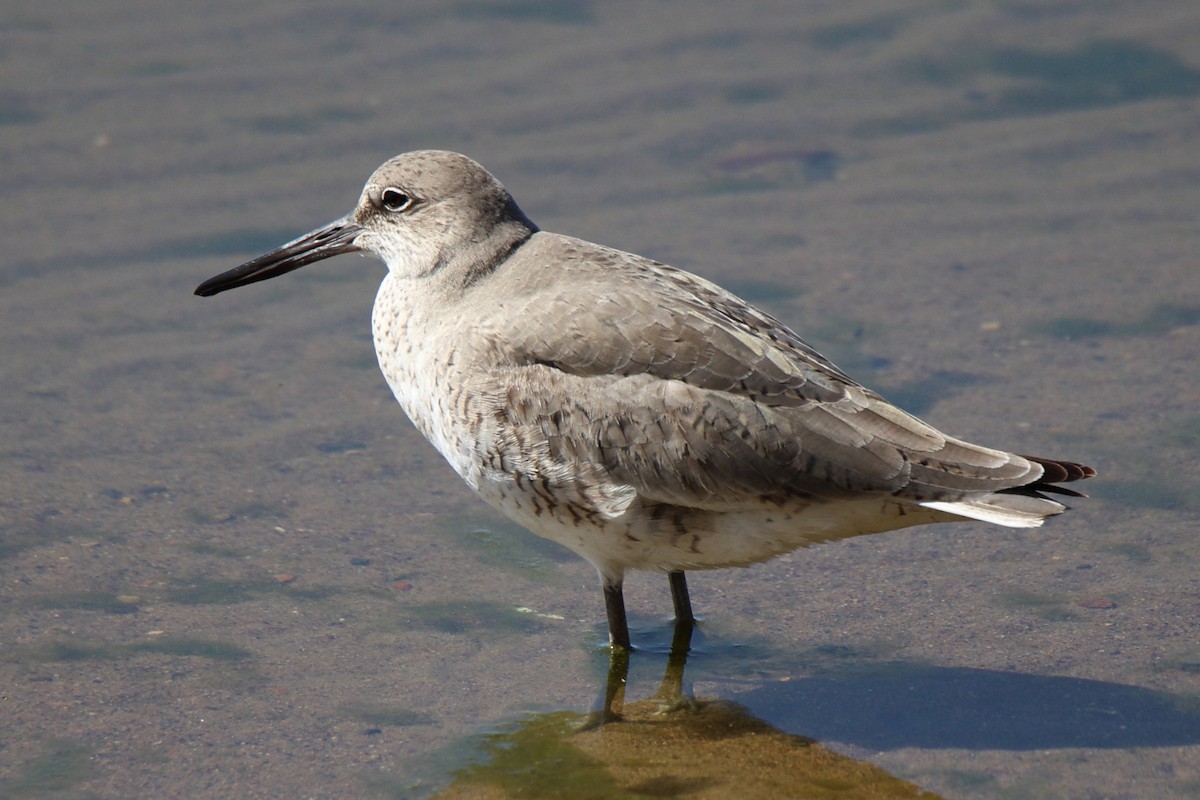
(333, 239)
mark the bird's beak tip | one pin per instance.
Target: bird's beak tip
(333, 239)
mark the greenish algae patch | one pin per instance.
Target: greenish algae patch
(537, 758)
(717, 750)
(62, 764)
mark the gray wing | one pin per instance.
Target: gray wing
(693, 397)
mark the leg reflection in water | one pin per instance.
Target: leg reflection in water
(671, 694)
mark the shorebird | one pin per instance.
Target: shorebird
(641, 416)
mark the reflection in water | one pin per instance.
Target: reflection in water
(671, 694)
(671, 745)
(766, 745)
(716, 750)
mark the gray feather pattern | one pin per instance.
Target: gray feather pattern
(681, 390)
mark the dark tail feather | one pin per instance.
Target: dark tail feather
(1019, 506)
(1055, 472)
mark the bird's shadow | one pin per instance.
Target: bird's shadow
(887, 705)
(918, 705)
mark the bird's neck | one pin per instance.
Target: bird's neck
(480, 259)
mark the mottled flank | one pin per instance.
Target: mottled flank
(642, 416)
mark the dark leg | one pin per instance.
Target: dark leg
(603, 711)
(680, 597)
(614, 605)
(671, 692)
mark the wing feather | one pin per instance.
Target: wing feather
(690, 396)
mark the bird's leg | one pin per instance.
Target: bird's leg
(680, 597)
(614, 605)
(618, 658)
(671, 694)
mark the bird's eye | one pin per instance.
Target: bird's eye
(395, 200)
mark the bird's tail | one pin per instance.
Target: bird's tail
(1021, 506)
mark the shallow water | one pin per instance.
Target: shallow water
(229, 566)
